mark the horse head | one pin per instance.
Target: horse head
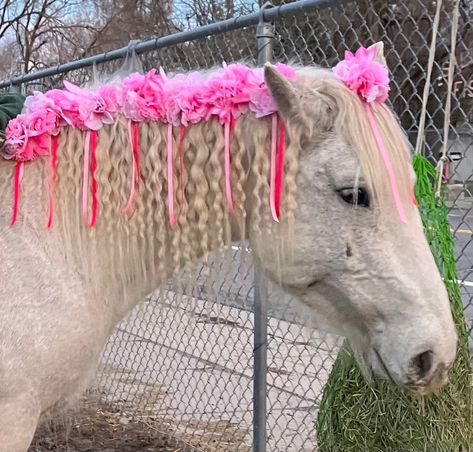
(366, 274)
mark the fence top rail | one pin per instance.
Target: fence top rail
(266, 13)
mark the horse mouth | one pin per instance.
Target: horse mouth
(384, 367)
(432, 385)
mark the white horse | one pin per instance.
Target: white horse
(340, 246)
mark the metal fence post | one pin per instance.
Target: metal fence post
(264, 35)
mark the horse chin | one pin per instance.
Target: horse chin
(432, 386)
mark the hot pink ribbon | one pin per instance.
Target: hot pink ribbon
(93, 168)
(170, 171)
(19, 168)
(54, 141)
(387, 163)
(228, 129)
(280, 167)
(272, 190)
(136, 151)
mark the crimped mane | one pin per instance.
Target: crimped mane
(137, 249)
(135, 254)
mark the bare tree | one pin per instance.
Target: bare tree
(50, 31)
(120, 21)
(191, 13)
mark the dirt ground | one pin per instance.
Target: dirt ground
(95, 429)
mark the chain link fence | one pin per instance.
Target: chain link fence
(183, 361)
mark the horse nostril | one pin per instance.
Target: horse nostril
(422, 363)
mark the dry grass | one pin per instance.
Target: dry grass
(96, 428)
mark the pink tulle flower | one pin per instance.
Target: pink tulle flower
(142, 97)
(191, 101)
(173, 89)
(67, 106)
(288, 71)
(41, 121)
(37, 101)
(42, 114)
(36, 146)
(16, 135)
(363, 75)
(27, 136)
(227, 92)
(92, 108)
(110, 95)
(261, 101)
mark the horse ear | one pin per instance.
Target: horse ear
(379, 57)
(282, 91)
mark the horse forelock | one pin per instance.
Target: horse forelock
(351, 122)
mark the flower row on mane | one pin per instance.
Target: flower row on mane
(183, 99)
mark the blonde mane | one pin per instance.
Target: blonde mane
(131, 252)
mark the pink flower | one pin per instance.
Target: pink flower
(67, 106)
(110, 95)
(36, 146)
(288, 71)
(173, 89)
(26, 137)
(92, 108)
(142, 97)
(363, 75)
(16, 134)
(41, 121)
(37, 101)
(227, 92)
(261, 101)
(42, 114)
(191, 100)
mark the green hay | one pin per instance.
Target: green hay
(356, 415)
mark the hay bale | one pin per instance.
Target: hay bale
(359, 416)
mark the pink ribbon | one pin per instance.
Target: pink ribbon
(228, 128)
(19, 168)
(90, 166)
(274, 137)
(53, 143)
(172, 218)
(135, 164)
(280, 167)
(387, 164)
(180, 151)
(85, 178)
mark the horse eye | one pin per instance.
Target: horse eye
(355, 197)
